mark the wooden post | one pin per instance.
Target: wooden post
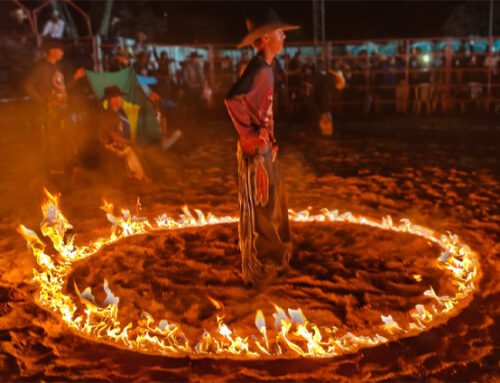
(447, 76)
(97, 52)
(490, 70)
(367, 76)
(211, 58)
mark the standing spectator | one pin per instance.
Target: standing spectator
(279, 82)
(21, 26)
(227, 73)
(437, 80)
(295, 79)
(296, 63)
(46, 86)
(143, 65)
(414, 65)
(163, 62)
(120, 61)
(140, 44)
(163, 73)
(388, 79)
(112, 37)
(358, 80)
(242, 64)
(341, 68)
(54, 28)
(111, 42)
(376, 76)
(193, 84)
(309, 65)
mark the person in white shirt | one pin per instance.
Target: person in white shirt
(54, 27)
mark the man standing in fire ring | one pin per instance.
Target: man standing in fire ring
(264, 230)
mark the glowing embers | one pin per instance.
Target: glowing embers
(287, 334)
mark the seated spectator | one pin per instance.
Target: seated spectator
(127, 111)
(54, 28)
(112, 139)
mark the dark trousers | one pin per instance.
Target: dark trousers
(57, 140)
(264, 230)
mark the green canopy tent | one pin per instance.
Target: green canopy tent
(148, 130)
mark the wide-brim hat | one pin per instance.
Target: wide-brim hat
(52, 44)
(262, 24)
(112, 91)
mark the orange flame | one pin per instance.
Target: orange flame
(292, 335)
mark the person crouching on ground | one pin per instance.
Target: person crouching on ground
(114, 134)
(264, 230)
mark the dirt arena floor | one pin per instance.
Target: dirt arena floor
(441, 175)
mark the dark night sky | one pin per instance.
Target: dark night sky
(224, 21)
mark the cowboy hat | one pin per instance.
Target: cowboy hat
(112, 91)
(262, 24)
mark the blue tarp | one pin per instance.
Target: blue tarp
(425, 46)
(455, 45)
(388, 49)
(496, 46)
(372, 47)
(477, 46)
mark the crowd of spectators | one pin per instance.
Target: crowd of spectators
(193, 89)
(417, 82)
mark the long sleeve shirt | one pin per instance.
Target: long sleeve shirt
(54, 29)
(250, 103)
(45, 85)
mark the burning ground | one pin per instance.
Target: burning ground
(342, 274)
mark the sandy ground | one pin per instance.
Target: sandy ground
(341, 274)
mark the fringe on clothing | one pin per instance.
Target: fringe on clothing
(264, 230)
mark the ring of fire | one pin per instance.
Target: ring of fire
(293, 334)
